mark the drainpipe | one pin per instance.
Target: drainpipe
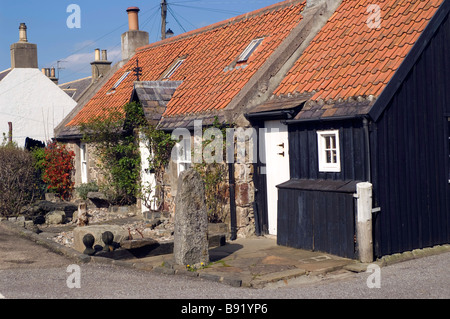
(232, 184)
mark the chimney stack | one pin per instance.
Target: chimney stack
(100, 66)
(51, 74)
(133, 38)
(23, 54)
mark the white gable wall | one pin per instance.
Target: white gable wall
(33, 103)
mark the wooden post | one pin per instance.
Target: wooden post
(10, 132)
(364, 222)
(163, 19)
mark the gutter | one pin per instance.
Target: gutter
(325, 119)
(288, 114)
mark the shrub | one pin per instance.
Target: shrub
(17, 180)
(38, 154)
(58, 165)
(86, 188)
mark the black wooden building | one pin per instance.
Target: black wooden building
(399, 141)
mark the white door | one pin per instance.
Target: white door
(277, 166)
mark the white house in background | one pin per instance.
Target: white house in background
(30, 102)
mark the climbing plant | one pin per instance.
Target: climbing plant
(115, 145)
(160, 145)
(214, 175)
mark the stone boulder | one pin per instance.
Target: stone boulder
(191, 221)
(97, 231)
(55, 217)
(99, 199)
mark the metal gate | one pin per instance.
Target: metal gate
(318, 218)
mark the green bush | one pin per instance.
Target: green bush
(86, 188)
(17, 180)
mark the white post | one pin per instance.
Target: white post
(364, 222)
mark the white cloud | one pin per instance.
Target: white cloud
(80, 63)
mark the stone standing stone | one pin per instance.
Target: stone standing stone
(191, 221)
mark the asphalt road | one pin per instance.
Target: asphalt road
(29, 271)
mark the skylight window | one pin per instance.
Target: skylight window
(174, 68)
(250, 49)
(123, 77)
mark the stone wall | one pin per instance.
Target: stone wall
(244, 189)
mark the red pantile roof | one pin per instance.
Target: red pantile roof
(211, 77)
(348, 58)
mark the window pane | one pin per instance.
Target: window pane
(334, 158)
(329, 159)
(327, 142)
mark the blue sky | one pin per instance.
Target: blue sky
(102, 23)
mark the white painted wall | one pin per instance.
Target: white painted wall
(33, 103)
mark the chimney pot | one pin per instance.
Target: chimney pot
(133, 18)
(97, 55)
(104, 55)
(23, 33)
(52, 72)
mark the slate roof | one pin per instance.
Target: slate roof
(210, 74)
(4, 73)
(75, 88)
(348, 60)
(154, 97)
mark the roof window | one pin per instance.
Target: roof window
(250, 49)
(174, 67)
(123, 77)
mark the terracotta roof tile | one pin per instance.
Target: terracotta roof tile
(349, 59)
(207, 84)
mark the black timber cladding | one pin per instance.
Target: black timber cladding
(303, 150)
(318, 216)
(410, 155)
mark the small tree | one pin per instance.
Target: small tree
(58, 165)
(17, 180)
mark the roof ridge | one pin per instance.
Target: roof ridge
(279, 5)
(70, 82)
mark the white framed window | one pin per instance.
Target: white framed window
(249, 50)
(174, 68)
(329, 152)
(123, 77)
(83, 163)
(183, 149)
